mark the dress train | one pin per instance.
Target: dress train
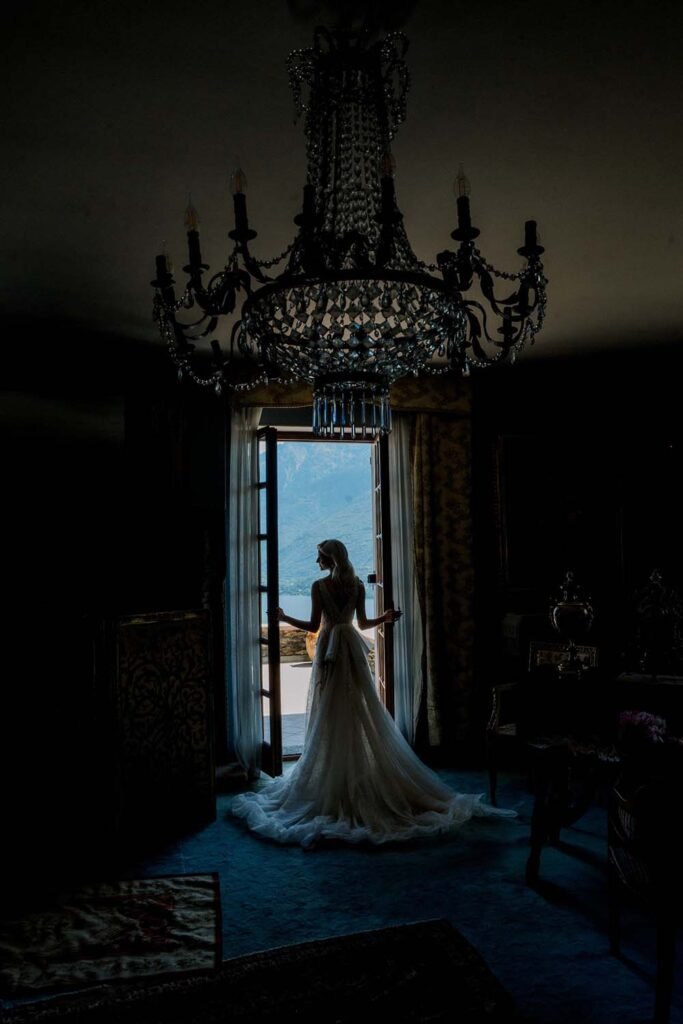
(358, 780)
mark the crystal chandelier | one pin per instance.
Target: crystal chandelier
(348, 307)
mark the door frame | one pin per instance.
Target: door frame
(271, 749)
(272, 752)
(384, 588)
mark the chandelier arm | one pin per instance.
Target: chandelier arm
(181, 352)
(513, 331)
(220, 296)
(479, 261)
(483, 325)
(213, 322)
(476, 327)
(486, 285)
(253, 267)
(517, 308)
(188, 302)
(517, 298)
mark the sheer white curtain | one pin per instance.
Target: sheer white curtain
(243, 649)
(408, 639)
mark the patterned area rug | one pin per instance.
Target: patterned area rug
(114, 930)
(416, 972)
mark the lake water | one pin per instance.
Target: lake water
(299, 605)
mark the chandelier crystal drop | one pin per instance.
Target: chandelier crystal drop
(348, 308)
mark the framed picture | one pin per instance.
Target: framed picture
(543, 652)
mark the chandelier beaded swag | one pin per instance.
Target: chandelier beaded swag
(353, 309)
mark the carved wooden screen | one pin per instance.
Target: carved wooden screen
(162, 696)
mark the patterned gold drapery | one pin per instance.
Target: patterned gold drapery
(411, 394)
(441, 475)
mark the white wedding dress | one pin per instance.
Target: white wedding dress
(358, 780)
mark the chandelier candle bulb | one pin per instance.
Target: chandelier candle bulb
(194, 252)
(530, 240)
(168, 262)
(191, 217)
(461, 185)
(164, 278)
(238, 187)
(191, 222)
(238, 180)
(241, 223)
(464, 219)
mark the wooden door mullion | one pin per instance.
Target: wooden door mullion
(268, 533)
(384, 654)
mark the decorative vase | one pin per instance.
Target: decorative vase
(658, 627)
(571, 616)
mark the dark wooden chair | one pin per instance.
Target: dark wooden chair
(568, 730)
(501, 727)
(538, 704)
(644, 851)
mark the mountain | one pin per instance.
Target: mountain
(324, 492)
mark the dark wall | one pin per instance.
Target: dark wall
(577, 466)
(114, 482)
(175, 489)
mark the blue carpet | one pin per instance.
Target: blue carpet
(548, 946)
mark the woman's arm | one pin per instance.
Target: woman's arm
(316, 613)
(390, 615)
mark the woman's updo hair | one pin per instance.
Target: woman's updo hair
(342, 569)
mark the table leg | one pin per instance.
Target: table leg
(551, 789)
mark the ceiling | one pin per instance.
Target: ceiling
(570, 114)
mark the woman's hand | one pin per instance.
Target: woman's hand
(280, 615)
(392, 615)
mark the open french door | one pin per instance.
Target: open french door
(384, 597)
(269, 587)
(271, 704)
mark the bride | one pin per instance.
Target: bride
(358, 779)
